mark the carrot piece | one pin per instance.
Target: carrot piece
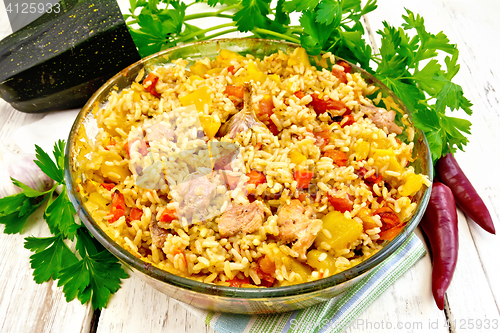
(321, 106)
(389, 234)
(322, 138)
(168, 215)
(108, 186)
(231, 69)
(339, 157)
(234, 91)
(238, 282)
(256, 177)
(347, 120)
(117, 206)
(299, 94)
(388, 217)
(267, 265)
(339, 75)
(135, 214)
(340, 204)
(303, 178)
(347, 67)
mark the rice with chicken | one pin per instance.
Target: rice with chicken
(247, 172)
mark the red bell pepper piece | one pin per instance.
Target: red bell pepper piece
(117, 206)
(149, 84)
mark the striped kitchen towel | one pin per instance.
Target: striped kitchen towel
(332, 316)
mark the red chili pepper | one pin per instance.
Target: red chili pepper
(466, 196)
(440, 225)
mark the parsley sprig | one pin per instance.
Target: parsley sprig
(409, 66)
(407, 61)
(88, 273)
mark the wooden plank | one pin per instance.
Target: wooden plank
(29, 307)
(24, 305)
(138, 307)
(406, 306)
(475, 282)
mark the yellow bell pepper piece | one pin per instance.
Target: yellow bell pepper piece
(197, 98)
(299, 56)
(327, 261)
(98, 200)
(214, 71)
(383, 156)
(225, 56)
(362, 150)
(210, 125)
(296, 157)
(302, 270)
(115, 173)
(199, 69)
(341, 231)
(275, 78)
(193, 78)
(412, 185)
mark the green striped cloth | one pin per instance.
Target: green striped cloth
(332, 316)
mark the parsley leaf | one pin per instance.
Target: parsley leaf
(51, 255)
(252, 14)
(47, 165)
(329, 12)
(59, 216)
(95, 277)
(299, 5)
(28, 191)
(15, 211)
(428, 92)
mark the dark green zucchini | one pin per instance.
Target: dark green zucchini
(58, 61)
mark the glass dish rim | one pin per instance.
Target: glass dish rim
(211, 289)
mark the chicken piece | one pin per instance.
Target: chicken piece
(197, 193)
(292, 219)
(243, 120)
(295, 223)
(246, 218)
(382, 118)
(306, 238)
(160, 131)
(158, 234)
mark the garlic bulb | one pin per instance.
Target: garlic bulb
(22, 168)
